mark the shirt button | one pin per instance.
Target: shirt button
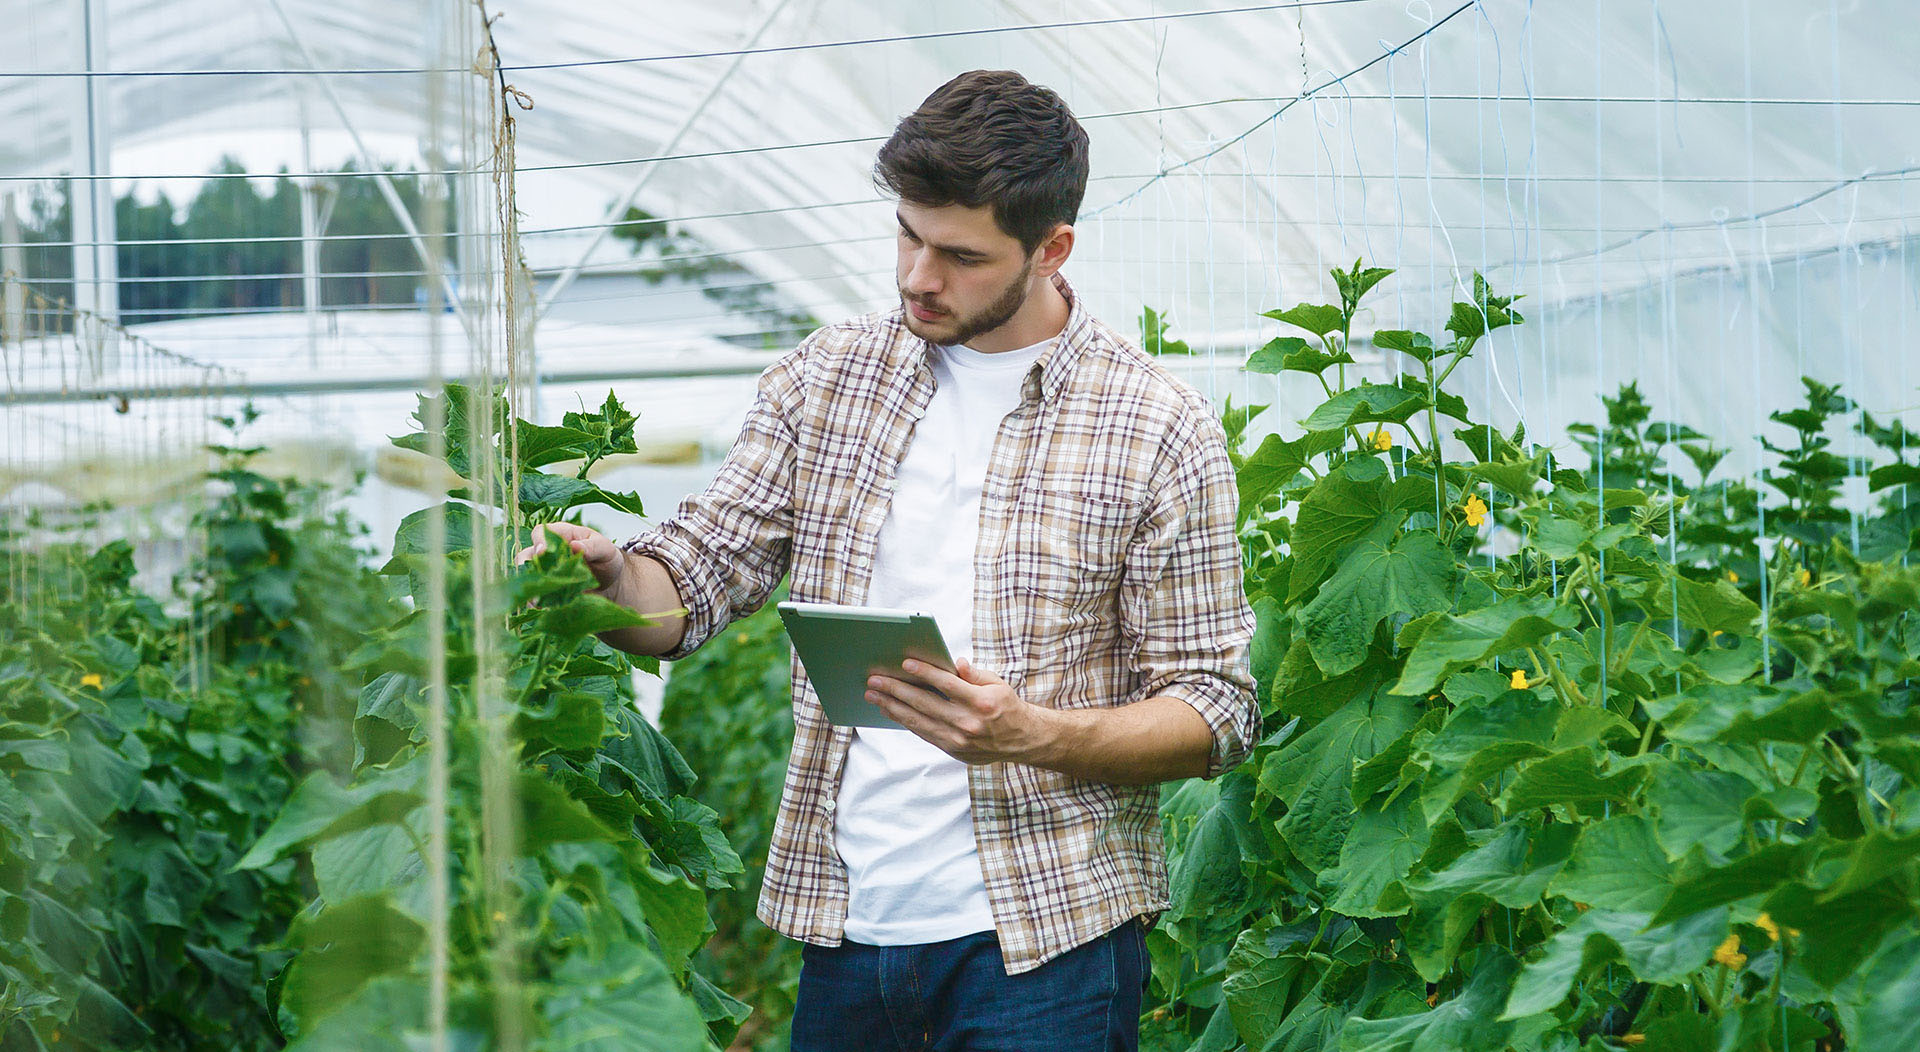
(827, 807)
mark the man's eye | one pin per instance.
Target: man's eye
(908, 234)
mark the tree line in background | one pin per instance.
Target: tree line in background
(235, 246)
(367, 259)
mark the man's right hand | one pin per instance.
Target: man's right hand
(605, 561)
(638, 583)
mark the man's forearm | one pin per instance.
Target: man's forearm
(1154, 740)
(646, 587)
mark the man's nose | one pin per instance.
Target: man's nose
(922, 276)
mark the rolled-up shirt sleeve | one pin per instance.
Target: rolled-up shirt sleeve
(728, 546)
(1183, 608)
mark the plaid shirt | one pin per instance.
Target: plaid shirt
(1106, 571)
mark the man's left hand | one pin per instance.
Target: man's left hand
(980, 719)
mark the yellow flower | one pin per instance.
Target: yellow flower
(1728, 953)
(1633, 1039)
(1476, 510)
(1715, 634)
(91, 679)
(1380, 440)
(1733, 577)
(1772, 928)
(1805, 578)
(1519, 680)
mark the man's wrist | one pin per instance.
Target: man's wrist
(623, 591)
(1056, 735)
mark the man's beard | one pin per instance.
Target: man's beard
(983, 321)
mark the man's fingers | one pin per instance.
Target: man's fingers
(918, 711)
(909, 693)
(938, 678)
(976, 675)
(953, 684)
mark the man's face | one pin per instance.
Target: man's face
(960, 276)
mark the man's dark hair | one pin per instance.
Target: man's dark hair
(991, 138)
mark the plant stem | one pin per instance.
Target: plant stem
(1568, 690)
(1633, 643)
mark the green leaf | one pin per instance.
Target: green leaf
(1482, 740)
(1318, 319)
(1276, 462)
(459, 438)
(676, 910)
(1513, 869)
(1882, 1012)
(1692, 806)
(1464, 1023)
(320, 808)
(619, 999)
(1262, 972)
(1800, 719)
(585, 615)
(541, 445)
(1659, 954)
(1293, 354)
(549, 816)
(1412, 575)
(381, 1017)
(348, 944)
(1570, 776)
(1753, 874)
(412, 537)
(1376, 403)
(1354, 284)
(1354, 500)
(1517, 476)
(1440, 647)
(376, 860)
(1889, 475)
(1386, 767)
(1837, 935)
(1417, 344)
(715, 1004)
(1314, 772)
(569, 719)
(1617, 865)
(1712, 607)
(1380, 850)
(1206, 874)
(551, 493)
(1235, 418)
(1153, 334)
(1878, 856)
(611, 427)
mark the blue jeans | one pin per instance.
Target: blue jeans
(956, 996)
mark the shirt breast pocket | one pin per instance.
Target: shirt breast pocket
(1076, 548)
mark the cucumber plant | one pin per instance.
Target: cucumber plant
(575, 863)
(1550, 762)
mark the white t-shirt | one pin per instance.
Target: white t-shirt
(903, 821)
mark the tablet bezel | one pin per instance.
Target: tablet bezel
(840, 646)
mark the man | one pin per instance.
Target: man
(989, 453)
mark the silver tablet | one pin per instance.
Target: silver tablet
(840, 646)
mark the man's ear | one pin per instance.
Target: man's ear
(1053, 252)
